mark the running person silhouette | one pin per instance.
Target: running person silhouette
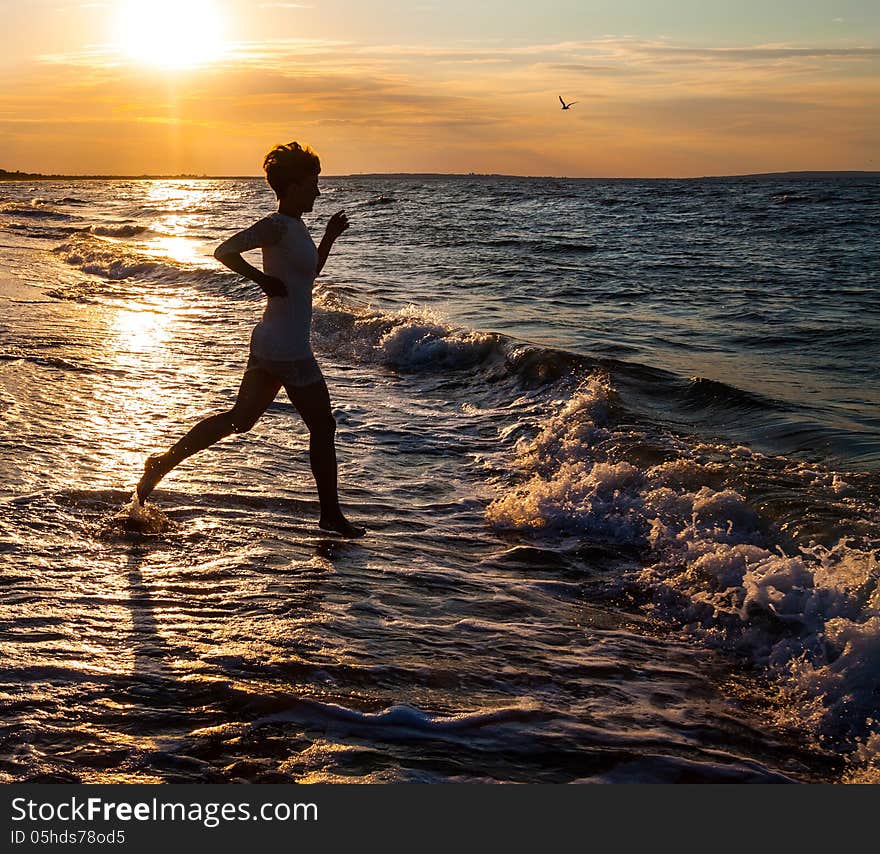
(280, 352)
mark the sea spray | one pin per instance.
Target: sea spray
(139, 519)
(713, 561)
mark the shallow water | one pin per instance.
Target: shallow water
(616, 444)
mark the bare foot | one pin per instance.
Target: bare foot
(341, 525)
(154, 471)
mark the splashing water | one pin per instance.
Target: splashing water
(137, 518)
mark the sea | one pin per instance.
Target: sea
(616, 444)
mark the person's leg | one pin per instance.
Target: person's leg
(257, 391)
(313, 404)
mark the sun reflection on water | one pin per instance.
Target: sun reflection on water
(123, 421)
(177, 195)
(181, 205)
(175, 249)
(138, 330)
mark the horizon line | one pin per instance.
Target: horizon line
(7, 175)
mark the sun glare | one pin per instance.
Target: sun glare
(171, 33)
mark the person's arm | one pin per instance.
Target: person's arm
(335, 226)
(266, 232)
(269, 284)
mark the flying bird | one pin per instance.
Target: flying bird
(564, 105)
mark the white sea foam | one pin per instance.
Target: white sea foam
(411, 338)
(809, 613)
(419, 337)
(116, 261)
(101, 258)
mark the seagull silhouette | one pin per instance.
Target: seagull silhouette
(564, 105)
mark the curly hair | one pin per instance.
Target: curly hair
(285, 164)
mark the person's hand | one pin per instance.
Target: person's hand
(336, 225)
(273, 287)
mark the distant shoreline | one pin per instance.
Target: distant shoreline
(793, 176)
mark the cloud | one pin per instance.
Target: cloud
(610, 56)
(760, 53)
(597, 70)
(645, 107)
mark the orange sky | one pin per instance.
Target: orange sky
(82, 94)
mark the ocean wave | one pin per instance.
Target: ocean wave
(126, 230)
(63, 365)
(712, 394)
(43, 231)
(87, 292)
(721, 550)
(419, 340)
(416, 338)
(36, 209)
(550, 246)
(850, 338)
(117, 262)
(416, 341)
(790, 197)
(49, 232)
(102, 259)
(40, 202)
(397, 722)
(410, 339)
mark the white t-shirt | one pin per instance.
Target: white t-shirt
(289, 254)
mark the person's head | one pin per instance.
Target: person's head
(292, 172)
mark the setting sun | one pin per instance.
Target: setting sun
(170, 34)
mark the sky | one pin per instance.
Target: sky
(662, 87)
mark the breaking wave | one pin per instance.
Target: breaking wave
(738, 548)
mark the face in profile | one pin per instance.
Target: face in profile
(301, 194)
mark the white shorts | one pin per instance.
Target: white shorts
(298, 373)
